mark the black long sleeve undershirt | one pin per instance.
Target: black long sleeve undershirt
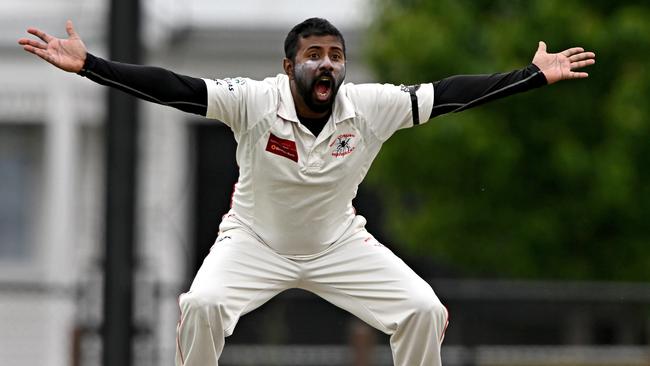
(150, 83)
(189, 94)
(461, 92)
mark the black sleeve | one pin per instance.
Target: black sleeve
(153, 84)
(457, 93)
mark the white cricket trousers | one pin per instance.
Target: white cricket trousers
(357, 274)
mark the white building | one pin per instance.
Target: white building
(51, 164)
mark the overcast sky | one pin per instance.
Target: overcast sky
(50, 15)
(342, 13)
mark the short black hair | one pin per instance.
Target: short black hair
(310, 27)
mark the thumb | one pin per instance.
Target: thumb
(541, 47)
(70, 29)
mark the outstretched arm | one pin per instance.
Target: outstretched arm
(153, 84)
(458, 93)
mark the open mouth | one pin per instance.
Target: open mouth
(323, 88)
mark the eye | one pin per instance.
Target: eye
(313, 55)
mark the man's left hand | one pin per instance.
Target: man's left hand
(561, 66)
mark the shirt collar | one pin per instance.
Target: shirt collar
(343, 107)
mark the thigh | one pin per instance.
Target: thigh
(367, 279)
(240, 274)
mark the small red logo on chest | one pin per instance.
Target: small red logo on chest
(282, 147)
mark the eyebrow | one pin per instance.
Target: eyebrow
(319, 47)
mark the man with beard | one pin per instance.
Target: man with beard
(305, 142)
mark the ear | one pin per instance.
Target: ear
(287, 65)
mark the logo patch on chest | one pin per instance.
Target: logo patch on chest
(342, 145)
(282, 147)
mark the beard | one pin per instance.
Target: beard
(306, 86)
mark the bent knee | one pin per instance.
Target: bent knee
(431, 306)
(427, 303)
(201, 311)
(196, 300)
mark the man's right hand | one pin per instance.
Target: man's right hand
(67, 54)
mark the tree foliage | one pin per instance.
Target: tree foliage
(552, 183)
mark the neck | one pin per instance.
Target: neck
(315, 125)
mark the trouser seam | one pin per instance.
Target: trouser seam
(178, 331)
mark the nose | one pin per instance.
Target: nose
(327, 64)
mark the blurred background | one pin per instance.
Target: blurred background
(530, 216)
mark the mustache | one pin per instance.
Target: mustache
(327, 73)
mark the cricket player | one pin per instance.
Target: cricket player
(305, 140)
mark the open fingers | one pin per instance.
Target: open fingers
(40, 53)
(580, 64)
(37, 51)
(572, 51)
(40, 34)
(69, 28)
(582, 56)
(32, 43)
(578, 75)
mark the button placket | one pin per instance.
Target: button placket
(315, 158)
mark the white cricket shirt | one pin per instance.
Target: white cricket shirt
(295, 189)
